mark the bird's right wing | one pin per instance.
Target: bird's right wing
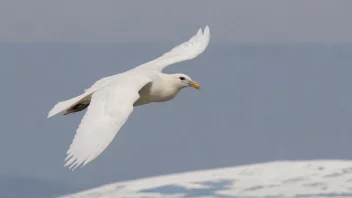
(185, 51)
(109, 109)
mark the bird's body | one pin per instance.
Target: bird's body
(159, 90)
(111, 99)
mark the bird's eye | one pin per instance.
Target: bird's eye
(182, 78)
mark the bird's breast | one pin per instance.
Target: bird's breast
(154, 93)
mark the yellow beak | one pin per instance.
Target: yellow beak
(194, 84)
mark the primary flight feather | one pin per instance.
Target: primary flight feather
(111, 100)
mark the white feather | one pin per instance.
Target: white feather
(113, 98)
(108, 111)
(185, 51)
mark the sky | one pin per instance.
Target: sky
(275, 85)
(160, 21)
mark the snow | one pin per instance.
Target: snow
(318, 178)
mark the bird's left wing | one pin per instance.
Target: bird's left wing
(109, 109)
(185, 51)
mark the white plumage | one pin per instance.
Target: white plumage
(110, 100)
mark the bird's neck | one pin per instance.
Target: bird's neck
(168, 91)
(158, 91)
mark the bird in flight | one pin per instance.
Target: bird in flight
(111, 100)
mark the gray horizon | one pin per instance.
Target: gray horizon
(275, 84)
(159, 21)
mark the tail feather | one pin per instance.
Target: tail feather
(64, 105)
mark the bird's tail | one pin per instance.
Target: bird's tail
(69, 105)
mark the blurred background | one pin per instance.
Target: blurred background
(275, 84)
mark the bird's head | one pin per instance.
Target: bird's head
(182, 80)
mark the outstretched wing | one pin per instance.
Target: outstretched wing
(109, 109)
(185, 51)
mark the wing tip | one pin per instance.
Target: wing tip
(206, 30)
(72, 163)
(205, 39)
(58, 108)
(199, 32)
(50, 114)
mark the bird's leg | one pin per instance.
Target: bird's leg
(76, 108)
